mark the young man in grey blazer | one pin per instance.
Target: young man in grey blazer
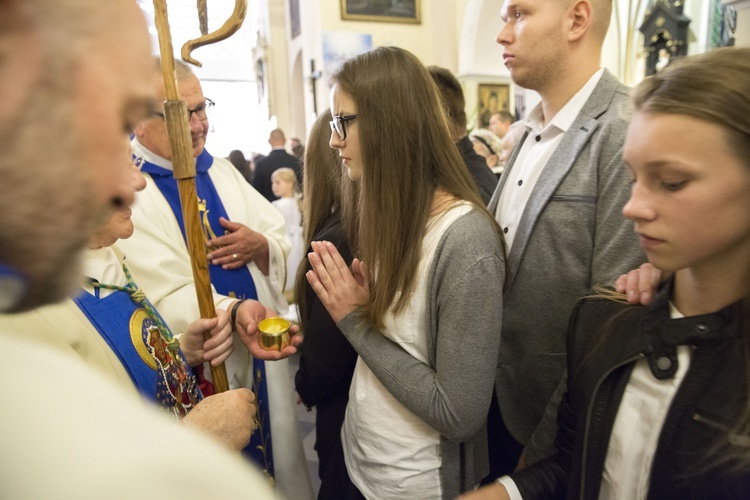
(559, 203)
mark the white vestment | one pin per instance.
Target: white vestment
(68, 432)
(66, 327)
(158, 259)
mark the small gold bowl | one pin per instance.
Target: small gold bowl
(274, 334)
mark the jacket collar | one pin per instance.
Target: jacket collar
(560, 163)
(662, 334)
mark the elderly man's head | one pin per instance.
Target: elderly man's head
(70, 72)
(152, 133)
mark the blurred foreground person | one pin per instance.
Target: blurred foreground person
(112, 326)
(75, 76)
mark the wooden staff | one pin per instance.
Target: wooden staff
(183, 162)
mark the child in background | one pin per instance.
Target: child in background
(284, 185)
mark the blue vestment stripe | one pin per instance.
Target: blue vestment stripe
(234, 282)
(6, 270)
(112, 317)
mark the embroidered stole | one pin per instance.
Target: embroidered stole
(233, 283)
(161, 374)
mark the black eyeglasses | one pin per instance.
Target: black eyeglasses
(201, 111)
(338, 124)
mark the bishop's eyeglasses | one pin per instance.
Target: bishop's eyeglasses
(201, 111)
(338, 124)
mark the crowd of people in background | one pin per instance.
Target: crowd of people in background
(556, 306)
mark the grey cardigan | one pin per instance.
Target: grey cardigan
(464, 313)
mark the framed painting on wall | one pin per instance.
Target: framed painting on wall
(390, 11)
(491, 97)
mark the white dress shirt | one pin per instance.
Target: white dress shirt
(535, 152)
(639, 421)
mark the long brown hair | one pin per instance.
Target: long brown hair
(324, 183)
(407, 154)
(714, 87)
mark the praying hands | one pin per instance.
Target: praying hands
(340, 289)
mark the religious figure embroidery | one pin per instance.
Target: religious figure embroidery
(262, 431)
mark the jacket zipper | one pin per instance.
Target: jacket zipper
(589, 411)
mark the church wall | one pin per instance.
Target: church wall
(459, 35)
(743, 21)
(433, 41)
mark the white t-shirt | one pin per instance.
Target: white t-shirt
(390, 452)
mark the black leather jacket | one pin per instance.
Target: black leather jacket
(605, 339)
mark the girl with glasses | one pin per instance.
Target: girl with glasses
(422, 302)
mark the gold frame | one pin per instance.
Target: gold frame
(417, 19)
(501, 90)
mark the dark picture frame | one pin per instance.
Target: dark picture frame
(388, 11)
(491, 97)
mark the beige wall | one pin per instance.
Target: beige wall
(278, 63)
(459, 35)
(434, 41)
(743, 21)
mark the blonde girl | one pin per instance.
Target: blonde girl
(284, 185)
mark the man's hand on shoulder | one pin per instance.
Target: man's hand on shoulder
(639, 285)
